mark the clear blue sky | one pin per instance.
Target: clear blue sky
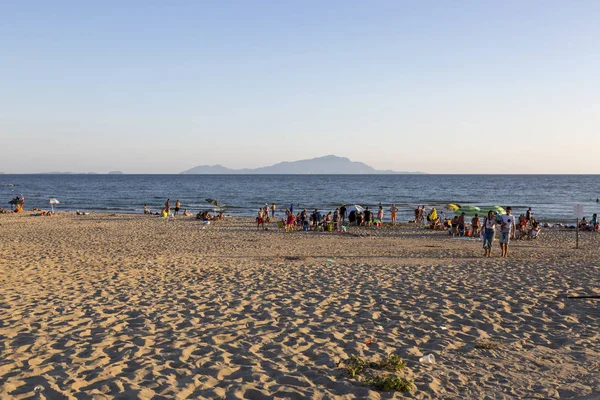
(434, 86)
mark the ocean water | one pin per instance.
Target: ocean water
(551, 196)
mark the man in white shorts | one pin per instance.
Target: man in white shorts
(508, 225)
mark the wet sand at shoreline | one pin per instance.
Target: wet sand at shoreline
(100, 306)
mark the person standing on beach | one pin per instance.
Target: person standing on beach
(367, 217)
(336, 219)
(177, 206)
(475, 225)
(267, 212)
(393, 211)
(168, 206)
(461, 224)
(380, 214)
(260, 219)
(529, 215)
(508, 225)
(343, 213)
(273, 208)
(489, 231)
(313, 220)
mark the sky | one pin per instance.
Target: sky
(432, 86)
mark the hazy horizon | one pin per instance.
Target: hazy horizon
(439, 88)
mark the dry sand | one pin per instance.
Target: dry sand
(104, 306)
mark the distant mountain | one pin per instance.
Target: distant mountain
(322, 165)
(115, 173)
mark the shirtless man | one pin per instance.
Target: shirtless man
(475, 225)
(260, 219)
(461, 224)
(393, 211)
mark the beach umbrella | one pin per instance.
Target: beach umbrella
(468, 210)
(452, 207)
(354, 207)
(52, 202)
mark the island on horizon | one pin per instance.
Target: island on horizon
(327, 165)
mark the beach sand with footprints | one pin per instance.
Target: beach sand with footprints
(101, 306)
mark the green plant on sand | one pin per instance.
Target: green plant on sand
(390, 363)
(356, 366)
(389, 382)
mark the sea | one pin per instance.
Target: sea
(552, 197)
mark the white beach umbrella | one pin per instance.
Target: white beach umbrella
(354, 207)
(52, 202)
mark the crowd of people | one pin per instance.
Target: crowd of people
(527, 227)
(337, 220)
(505, 225)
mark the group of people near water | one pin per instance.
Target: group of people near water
(166, 212)
(508, 226)
(330, 221)
(526, 227)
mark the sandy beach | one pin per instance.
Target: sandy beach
(130, 306)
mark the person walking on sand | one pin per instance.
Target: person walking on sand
(489, 231)
(393, 212)
(168, 206)
(507, 228)
(177, 206)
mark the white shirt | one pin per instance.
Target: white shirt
(490, 223)
(508, 221)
